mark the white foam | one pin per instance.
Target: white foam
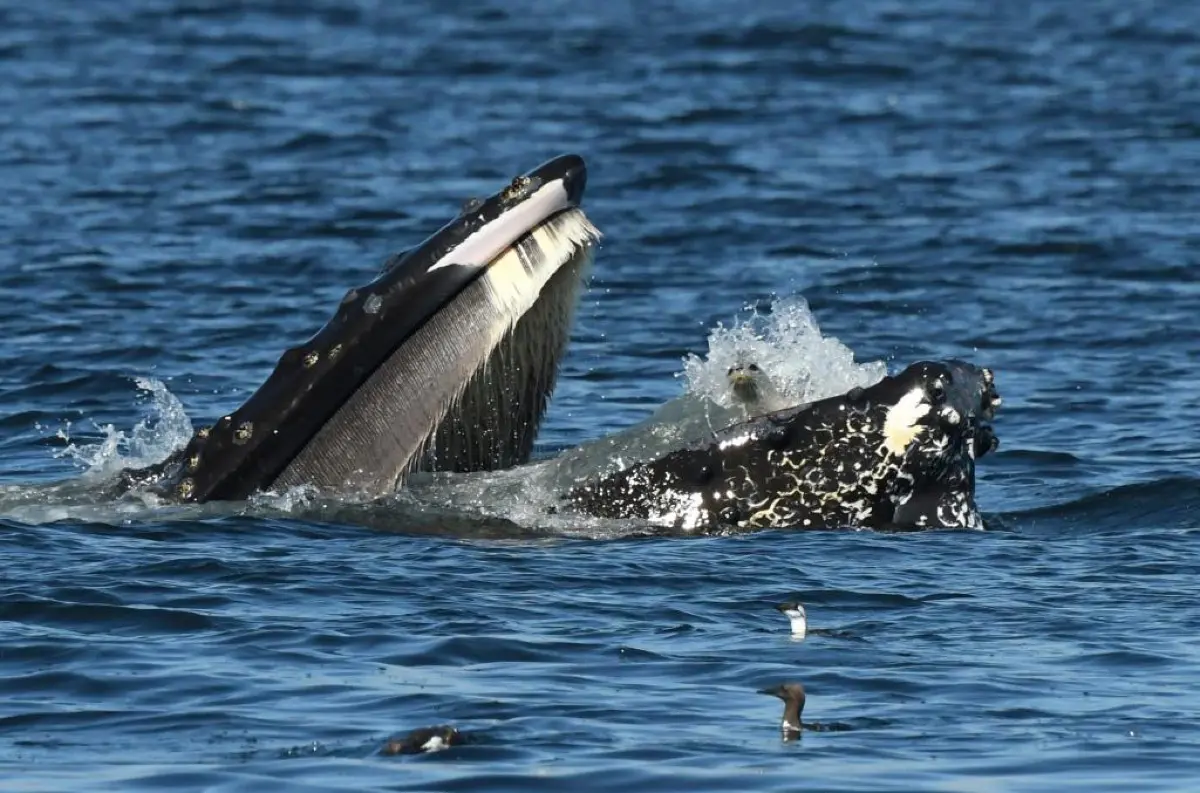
(150, 440)
(785, 341)
(788, 345)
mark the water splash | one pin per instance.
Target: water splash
(784, 340)
(151, 439)
(166, 428)
(788, 345)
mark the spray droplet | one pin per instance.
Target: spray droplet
(311, 359)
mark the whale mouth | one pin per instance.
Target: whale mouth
(444, 361)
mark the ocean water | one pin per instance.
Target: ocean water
(189, 187)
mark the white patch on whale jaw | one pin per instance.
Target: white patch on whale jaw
(679, 509)
(496, 238)
(515, 278)
(740, 440)
(901, 427)
(959, 511)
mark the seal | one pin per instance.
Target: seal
(899, 454)
(755, 390)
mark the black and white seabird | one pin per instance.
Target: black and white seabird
(798, 617)
(424, 739)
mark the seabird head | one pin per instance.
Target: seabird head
(795, 612)
(793, 697)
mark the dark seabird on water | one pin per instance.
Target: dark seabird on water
(792, 695)
(425, 739)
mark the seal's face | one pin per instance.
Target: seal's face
(743, 379)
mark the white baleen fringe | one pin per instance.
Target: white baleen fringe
(514, 279)
(515, 345)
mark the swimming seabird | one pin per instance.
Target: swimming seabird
(796, 614)
(424, 739)
(793, 697)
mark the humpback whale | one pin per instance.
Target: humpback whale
(444, 362)
(898, 454)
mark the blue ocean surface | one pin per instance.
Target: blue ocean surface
(190, 186)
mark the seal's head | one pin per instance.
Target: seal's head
(743, 381)
(753, 388)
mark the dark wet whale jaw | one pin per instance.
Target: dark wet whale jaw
(445, 360)
(899, 454)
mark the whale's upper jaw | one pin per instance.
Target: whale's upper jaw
(485, 227)
(247, 450)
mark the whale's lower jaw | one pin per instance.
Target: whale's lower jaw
(494, 422)
(468, 390)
